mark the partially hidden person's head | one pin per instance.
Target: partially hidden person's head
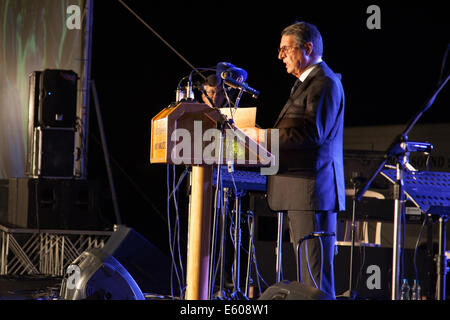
(214, 89)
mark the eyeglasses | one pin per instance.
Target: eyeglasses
(285, 49)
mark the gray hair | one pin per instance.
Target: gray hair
(304, 32)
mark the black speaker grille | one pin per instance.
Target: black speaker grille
(58, 98)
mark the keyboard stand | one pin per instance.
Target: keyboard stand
(430, 191)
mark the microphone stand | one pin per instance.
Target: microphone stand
(238, 99)
(350, 293)
(399, 150)
(224, 124)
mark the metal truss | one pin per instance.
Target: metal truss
(49, 252)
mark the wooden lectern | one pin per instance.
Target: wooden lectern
(189, 134)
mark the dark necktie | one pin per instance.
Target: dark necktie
(296, 85)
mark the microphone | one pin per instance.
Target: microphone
(238, 74)
(232, 71)
(238, 85)
(223, 66)
(419, 147)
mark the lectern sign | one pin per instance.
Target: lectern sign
(159, 143)
(173, 121)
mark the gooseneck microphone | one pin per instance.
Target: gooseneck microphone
(238, 85)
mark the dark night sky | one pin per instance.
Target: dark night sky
(388, 74)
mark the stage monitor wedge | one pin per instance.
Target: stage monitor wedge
(146, 263)
(95, 275)
(124, 269)
(287, 290)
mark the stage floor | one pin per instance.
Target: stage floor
(29, 287)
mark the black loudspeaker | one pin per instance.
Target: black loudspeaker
(53, 153)
(53, 98)
(52, 120)
(67, 204)
(286, 290)
(133, 265)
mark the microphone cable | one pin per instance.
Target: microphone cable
(176, 233)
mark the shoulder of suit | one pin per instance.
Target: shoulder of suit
(324, 72)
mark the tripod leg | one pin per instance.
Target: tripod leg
(222, 242)
(250, 253)
(399, 212)
(212, 257)
(237, 244)
(352, 250)
(237, 293)
(279, 253)
(441, 261)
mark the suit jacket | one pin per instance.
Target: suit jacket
(311, 169)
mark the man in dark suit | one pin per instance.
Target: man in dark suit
(310, 182)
